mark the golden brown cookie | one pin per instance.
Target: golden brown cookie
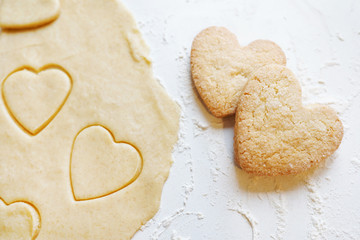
(274, 133)
(220, 67)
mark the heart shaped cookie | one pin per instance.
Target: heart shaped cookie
(20, 14)
(274, 133)
(220, 67)
(33, 98)
(18, 220)
(100, 165)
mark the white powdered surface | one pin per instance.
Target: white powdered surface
(206, 196)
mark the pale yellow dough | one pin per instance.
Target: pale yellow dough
(34, 99)
(20, 14)
(93, 152)
(18, 221)
(86, 131)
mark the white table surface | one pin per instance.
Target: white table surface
(206, 196)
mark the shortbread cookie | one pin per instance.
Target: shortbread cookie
(220, 67)
(274, 133)
(20, 14)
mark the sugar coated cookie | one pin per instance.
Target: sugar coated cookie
(274, 133)
(220, 67)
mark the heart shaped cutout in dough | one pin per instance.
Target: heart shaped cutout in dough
(18, 220)
(220, 67)
(274, 133)
(100, 165)
(33, 98)
(21, 14)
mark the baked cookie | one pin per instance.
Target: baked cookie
(274, 133)
(220, 67)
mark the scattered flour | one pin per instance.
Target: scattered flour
(280, 211)
(319, 226)
(175, 236)
(315, 90)
(340, 37)
(249, 218)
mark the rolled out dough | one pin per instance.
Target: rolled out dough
(116, 121)
(20, 14)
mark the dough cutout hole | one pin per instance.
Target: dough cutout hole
(34, 97)
(19, 220)
(100, 165)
